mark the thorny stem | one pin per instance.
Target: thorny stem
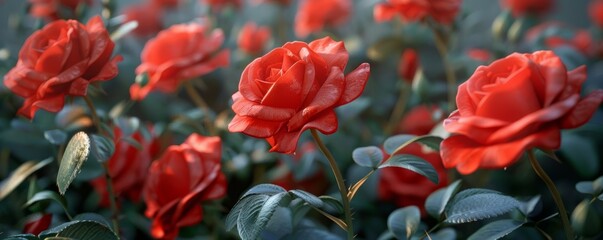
(554, 192)
(201, 104)
(340, 183)
(440, 44)
(109, 180)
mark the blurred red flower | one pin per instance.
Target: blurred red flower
(165, 3)
(183, 177)
(515, 104)
(480, 55)
(252, 38)
(178, 54)
(313, 15)
(294, 88)
(37, 223)
(442, 11)
(407, 188)
(60, 60)
(407, 67)
(552, 34)
(128, 166)
(420, 120)
(521, 7)
(55, 9)
(595, 10)
(148, 17)
(281, 2)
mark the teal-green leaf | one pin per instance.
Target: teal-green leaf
(56, 136)
(48, 195)
(246, 221)
(128, 125)
(591, 187)
(265, 188)
(309, 198)
(479, 206)
(267, 211)
(496, 230)
(75, 155)
(101, 147)
(413, 163)
(585, 220)
(80, 229)
(369, 156)
(331, 205)
(437, 201)
(404, 222)
(233, 215)
(529, 206)
(393, 142)
(28, 236)
(444, 234)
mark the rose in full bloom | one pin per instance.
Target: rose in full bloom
(148, 16)
(128, 166)
(442, 11)
(294, 88)
(179, 181)
(407, 67)
(407, 188)
(60, 60)
(313, 15)
(37, 223)
(595, 10)
(420, 120)
(177, 54)
(55, 9)
(521, 7)
(515, 104)
(252, 38)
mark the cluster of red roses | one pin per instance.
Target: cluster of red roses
(515, 104)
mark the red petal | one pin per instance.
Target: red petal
(286, 142)
(334, 53)
(583, 111)
(355, 83)
(248, 108)
(286, 91)
(253, 127)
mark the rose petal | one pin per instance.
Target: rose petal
(583, 110)
(286, 142)
(248, 108)
(286, 91)
(334, 53)
(253, 127)
(355, 82)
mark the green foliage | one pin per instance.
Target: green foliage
(56, 136)
(81, 229)
(369, 156)
(477, 204)
(20, 174)
(75, 155)
(101, 147)
(46, 196)
(585, 220)
(496, 230)
(404, 222)
(413, 163)
(436, 203)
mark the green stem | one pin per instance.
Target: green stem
(340, 183)
(554, 192)
(399, 108)
(201, 104)
(109, 180)
(440, 44)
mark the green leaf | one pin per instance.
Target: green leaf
(413, 163)
(48, 195)
(311, 233)
(132, 142)
(369, 156)
(396, 143)
(128, 126)
(19, 175)
(233, 215)
(585, 220)
(246, 221)
(432, 142)
(266, 189)
(529, 206)
(75, 154)
(581, 154)
(392, 143)
(93, 217)
(266, 213)
(28, 236)
(404, 222)
(496, 230)
(444, 234)
(308, 198)
(331, 205)
(101, 147)
(478, 206)
(591, 187)
(436, 202)
(56, 136)
(80, 229)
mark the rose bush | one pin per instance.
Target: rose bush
(515, 104)
(178, 54)
(61, 60)
(184, 176)
(294, 88)
(314, 15)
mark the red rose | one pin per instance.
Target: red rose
(407, 67)
(407, 188)
(37, 223)
(442, 11)
(420, 120)
(480, 55)
(314, 15)
(521, 7)
(177, 54)
(515, 104)
(595, 10)
(148, 17)
(128, 167)
(186, 175)
(294, 88)
(252, 38)
(61, 60)
(55, 9)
